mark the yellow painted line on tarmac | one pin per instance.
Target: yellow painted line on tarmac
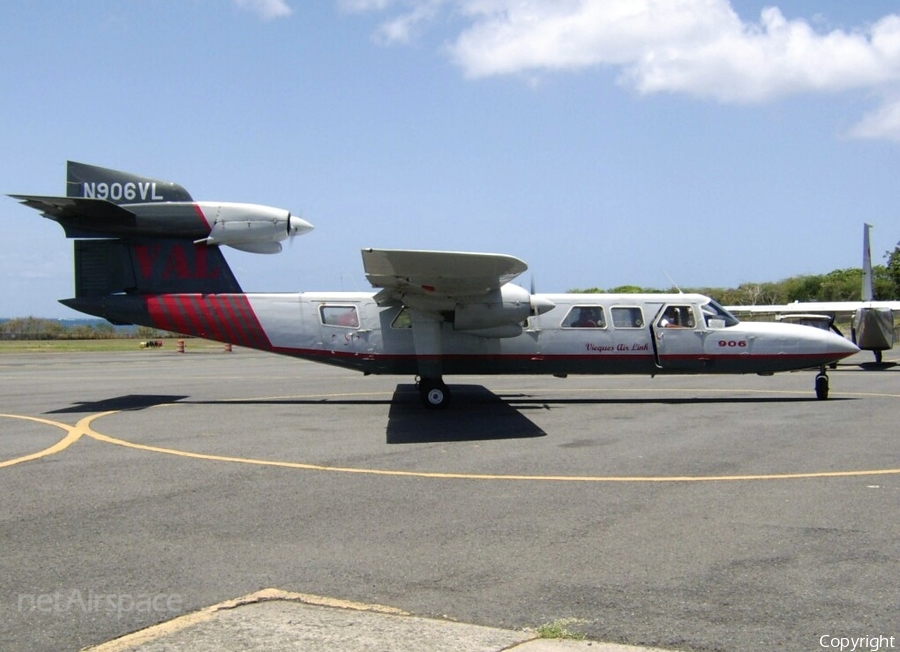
(74, 434)
(90, 432)
(84, 427)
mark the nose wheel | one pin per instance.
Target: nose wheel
(435, 395)
(822, 385)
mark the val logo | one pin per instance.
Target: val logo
(175, 261)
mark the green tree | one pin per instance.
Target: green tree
(802, 288)
(841, 285)
(893, 271)
(885, 288)
(32, 328)
(631, 289)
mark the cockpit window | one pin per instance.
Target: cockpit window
(344, 316)
(675, 316)
(716, 316)
(403, 319)
(627, 317)
(585, 317)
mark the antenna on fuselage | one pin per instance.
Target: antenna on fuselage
(672, 281)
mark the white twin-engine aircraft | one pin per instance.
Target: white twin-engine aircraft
(871, 321)
(146, 253)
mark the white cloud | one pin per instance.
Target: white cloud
(364, 5)
(267, 9)
(884, 123)
(775, 58)
(402, 28)
(700, 48)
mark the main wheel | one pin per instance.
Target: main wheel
(821, 387)
(434, 393)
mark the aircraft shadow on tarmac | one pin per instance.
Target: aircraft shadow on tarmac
(523, 402)
(120, 403)
(477, 414)
(877, 366)
(483, 416)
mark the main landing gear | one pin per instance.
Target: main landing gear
(822, 385)
(435, 395)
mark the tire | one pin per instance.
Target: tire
(435, 394)
(821, 387)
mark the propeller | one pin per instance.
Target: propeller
(539, 305)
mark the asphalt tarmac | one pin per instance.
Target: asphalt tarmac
(685, 513)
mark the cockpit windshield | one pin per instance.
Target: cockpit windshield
(716, 316)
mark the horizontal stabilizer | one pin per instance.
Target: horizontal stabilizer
(80, 217)
(78, 208)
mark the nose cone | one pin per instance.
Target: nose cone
(298, 226)
(826, 346)
(844, 347)
(540, 305)
(785, 347)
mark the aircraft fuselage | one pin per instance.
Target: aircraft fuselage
(351, 330)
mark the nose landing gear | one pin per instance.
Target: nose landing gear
(822, 385)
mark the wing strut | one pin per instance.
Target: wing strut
(426, 329)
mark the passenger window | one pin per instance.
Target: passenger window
(677, 317)
(630, 317)
(585, 317)
(344, 316)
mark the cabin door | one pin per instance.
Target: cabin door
(678, 338)
(344, 327)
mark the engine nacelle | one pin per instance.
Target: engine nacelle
(507, 307)
(874, 328)
(250, 227)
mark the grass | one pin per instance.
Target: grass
(559, 629)
(101, 345)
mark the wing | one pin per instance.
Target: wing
(438, 274)
(814, 307)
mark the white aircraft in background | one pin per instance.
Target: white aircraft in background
(872, 324)
(146, 253)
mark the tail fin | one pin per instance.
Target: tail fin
(122, 248)
(136, 243)
(868, 283)
(92, 182)
(150, 266)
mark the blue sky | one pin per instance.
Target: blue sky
(604, 143)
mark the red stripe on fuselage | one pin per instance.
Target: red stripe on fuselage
(167, 314)
(249, 324)
(225, 318)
